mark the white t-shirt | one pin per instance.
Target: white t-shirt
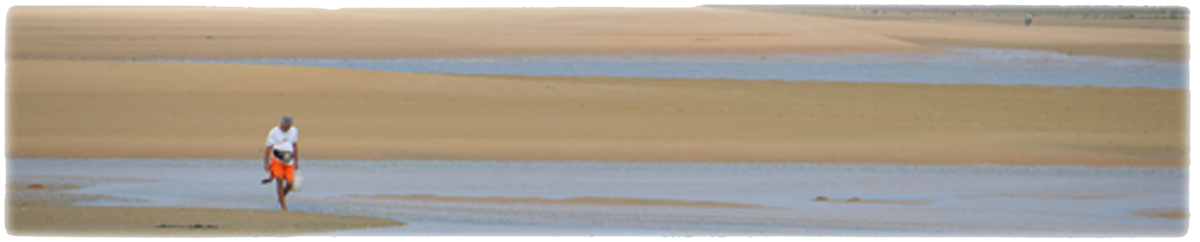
(281, 140)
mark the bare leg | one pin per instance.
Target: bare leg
(287, 189)
(279, 191)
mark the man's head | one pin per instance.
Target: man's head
(286, 123)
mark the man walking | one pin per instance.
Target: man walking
(282, 158)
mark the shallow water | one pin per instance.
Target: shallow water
(955, 66)
(966, 200)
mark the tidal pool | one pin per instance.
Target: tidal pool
(956, 65)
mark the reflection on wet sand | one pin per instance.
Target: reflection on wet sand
(607, 201)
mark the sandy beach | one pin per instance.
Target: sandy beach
(76, 89)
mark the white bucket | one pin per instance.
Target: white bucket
(296, 181)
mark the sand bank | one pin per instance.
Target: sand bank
(1167, 214)
(70, 221)
(128, 109)
(35, 209)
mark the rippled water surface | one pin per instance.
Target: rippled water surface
(965, 200)
(955, 65)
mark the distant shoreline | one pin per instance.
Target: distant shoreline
(197, 32)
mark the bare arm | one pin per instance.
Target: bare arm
(267, 158)
(296, 154)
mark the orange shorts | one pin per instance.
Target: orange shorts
(280, 170)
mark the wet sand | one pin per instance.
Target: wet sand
(36, 209)
(90, 109)
(872, 201)
(608, 201)
(469, 198)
